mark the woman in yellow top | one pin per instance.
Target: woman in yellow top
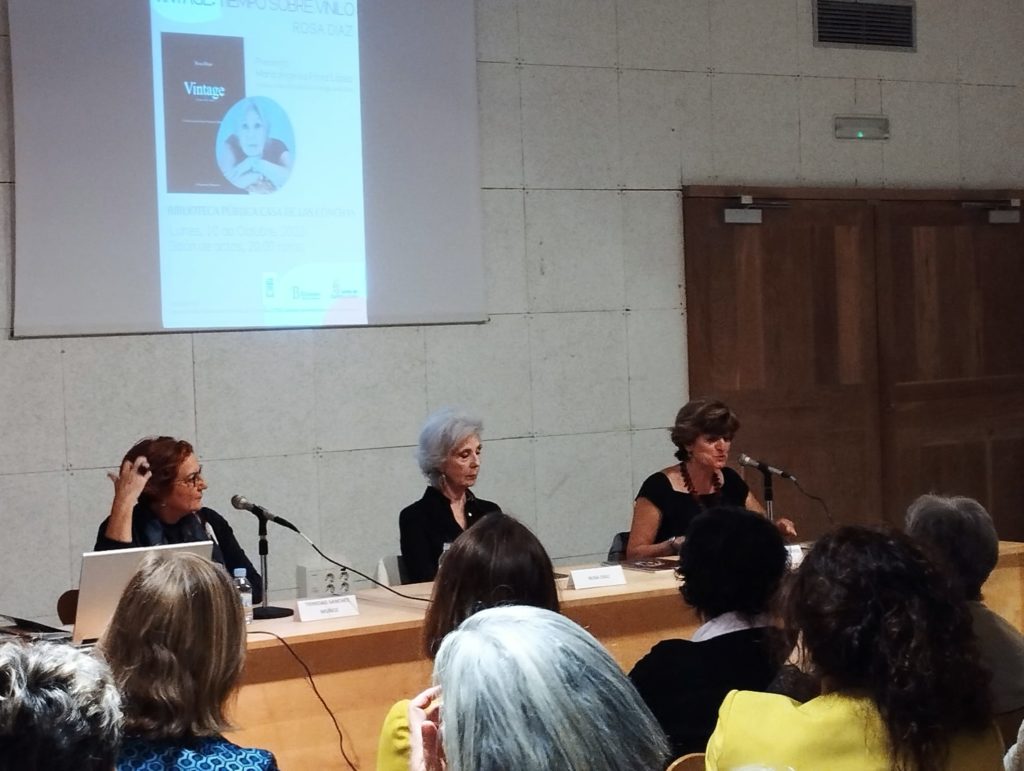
(496, 562)
(902, 687)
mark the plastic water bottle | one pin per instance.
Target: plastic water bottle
(244, 593)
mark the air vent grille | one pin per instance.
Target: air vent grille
(860, 24)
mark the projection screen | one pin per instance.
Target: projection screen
(235, 164)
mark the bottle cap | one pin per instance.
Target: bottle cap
(239, 572)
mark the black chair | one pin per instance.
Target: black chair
(67, 606)
(617, 552)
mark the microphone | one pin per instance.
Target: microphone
(746, 460)
(241, 502)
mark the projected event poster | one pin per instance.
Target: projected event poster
(259, 163)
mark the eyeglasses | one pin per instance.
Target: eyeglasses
(192, 480)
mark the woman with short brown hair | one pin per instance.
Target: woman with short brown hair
(158, 499)
(669, 499)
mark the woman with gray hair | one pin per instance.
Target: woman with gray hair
(449, 457)
(528, 689)
(958, 534)
(59, 710)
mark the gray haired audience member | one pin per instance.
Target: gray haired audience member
(59, 710)
(958, 533)
(528, 689)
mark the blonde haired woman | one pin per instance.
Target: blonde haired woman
(176, 646)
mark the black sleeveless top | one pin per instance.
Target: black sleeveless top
(678, 509)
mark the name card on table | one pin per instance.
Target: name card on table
(591, 578)
(320, 608)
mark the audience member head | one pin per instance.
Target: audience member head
(59, 710)
(731, 561)
(959, 534)
(875, 616)
(176, 645)
(444, 430)
(702, 417)
(497, 561)
(528, 689)
(164, 454)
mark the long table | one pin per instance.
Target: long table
(363, 664)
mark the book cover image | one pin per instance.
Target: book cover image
(203, 75)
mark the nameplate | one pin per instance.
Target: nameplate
(591, 578)
(319, 608)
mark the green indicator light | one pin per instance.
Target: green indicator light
(860, 135)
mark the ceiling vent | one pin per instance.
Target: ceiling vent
(869, 24)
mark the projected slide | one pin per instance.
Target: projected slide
(258, 163)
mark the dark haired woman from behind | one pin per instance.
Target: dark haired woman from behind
(731, 563)
(176, 647)
(902, 687)
(496, 562)
(669, 499)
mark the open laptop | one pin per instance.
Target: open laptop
(105, 574)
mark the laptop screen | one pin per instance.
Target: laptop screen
(105, 574)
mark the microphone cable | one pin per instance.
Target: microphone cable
(828, 514)
(239, 502)
(764, 468)
(312, 683)
(358, 573)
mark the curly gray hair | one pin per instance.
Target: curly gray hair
(59, 709)
(442, 432)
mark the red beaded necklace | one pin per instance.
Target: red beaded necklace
(716, 486)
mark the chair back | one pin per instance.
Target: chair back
(693, 761)
(617, 552)
(391, 570)
(67, 606)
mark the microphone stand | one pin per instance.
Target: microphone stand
(769, 497)
(266, 610)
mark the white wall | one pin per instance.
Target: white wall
(593, 113)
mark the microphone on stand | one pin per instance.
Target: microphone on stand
(264, 516)
(243, 503)
(746, 460)
(265, 610)
(768, 471)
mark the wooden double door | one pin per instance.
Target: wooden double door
(871, 342)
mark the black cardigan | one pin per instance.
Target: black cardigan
(427, 525)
